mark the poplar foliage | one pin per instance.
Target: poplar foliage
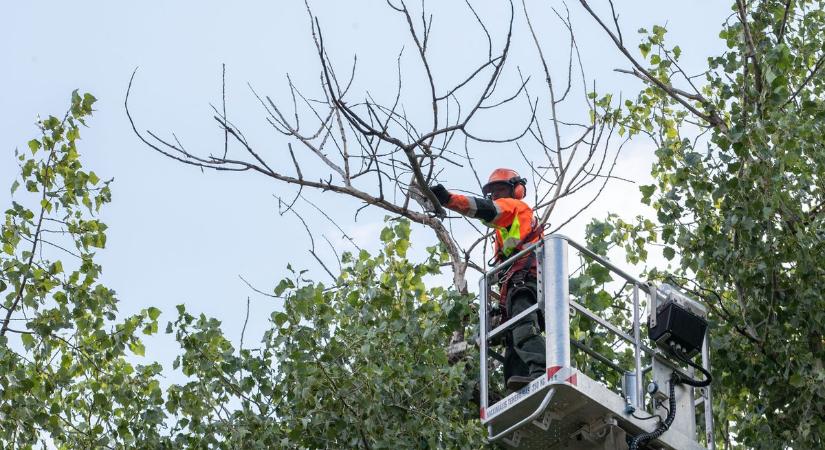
(740, 212)
(360, 363)
(66, 379)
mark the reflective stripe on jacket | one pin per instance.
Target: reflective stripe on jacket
(512, 219)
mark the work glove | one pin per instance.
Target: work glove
(441, 193)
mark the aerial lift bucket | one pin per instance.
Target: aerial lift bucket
(568, 409)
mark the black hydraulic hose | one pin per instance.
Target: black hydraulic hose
(689, 381)
(644, 438)
(675, 379)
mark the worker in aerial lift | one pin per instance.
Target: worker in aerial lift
(503, 209)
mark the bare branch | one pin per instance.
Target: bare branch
(256, 289)
(312, 246)
(223, 99)
(710, 116)
(245, 321)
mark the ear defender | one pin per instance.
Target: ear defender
(519, 187)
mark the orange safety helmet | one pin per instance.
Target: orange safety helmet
(509, 177)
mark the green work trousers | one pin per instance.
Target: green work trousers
(524, 355)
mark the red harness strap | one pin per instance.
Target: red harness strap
(524, 267)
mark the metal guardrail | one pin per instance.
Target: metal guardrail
(542, 406)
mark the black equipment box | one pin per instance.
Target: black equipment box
(677, 327)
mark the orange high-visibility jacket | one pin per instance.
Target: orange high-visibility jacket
(512, 219)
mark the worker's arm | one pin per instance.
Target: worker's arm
(489, 211)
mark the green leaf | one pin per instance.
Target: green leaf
(150, 328)
(279, 318)
(401, 247)
(137, 348)
(28, 340)
(599, 273)
(282, 286)
(693, 158)
(659, 31)
(402, 230)
(647, 192)
(602, 301)
(14, 186)
(34, 146)
(645, 49)
(75, 102)
(88, 101)
(770, 76)
(668, 252)
(153, 313)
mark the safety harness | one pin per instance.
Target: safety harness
(521, 275)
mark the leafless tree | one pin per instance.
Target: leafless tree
(376, 153)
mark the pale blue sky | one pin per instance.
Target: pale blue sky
(181, 236)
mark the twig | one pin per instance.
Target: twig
(223, 98)
(245, 321)
(256, 289)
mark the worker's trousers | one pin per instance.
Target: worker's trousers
(524, 355)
